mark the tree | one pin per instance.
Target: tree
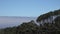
(57, 21)
(48, 15)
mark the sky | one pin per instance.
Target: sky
(29, 8)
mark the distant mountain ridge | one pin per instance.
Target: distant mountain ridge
(9, 21)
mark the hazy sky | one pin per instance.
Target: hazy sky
(28, 8)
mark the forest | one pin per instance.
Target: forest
(49, 23)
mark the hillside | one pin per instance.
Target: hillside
(31, 27)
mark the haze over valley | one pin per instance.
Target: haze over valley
(10, 21)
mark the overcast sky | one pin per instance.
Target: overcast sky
(28, 8)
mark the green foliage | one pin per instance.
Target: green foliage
(47, 15)
(32, 28)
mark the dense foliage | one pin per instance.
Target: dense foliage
(32, 28)
(48, 15)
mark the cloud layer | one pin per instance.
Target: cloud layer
(13, 21)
